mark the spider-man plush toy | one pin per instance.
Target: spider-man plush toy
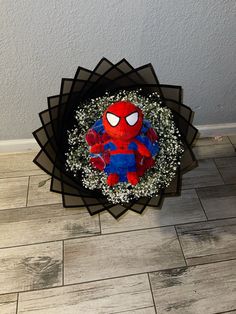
(122, 143)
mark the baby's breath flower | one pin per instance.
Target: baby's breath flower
(166, 162)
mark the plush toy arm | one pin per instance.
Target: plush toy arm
(142, 149)
(97, 148)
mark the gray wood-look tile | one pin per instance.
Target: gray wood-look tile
(131, 246)
(45, 223)
(203, 289)
(30, 267)
(211, 151)
(219, 201)
(121, 295)
(227, 168)
(206, 174)
(233, 139)
(207, 242)
(175, 210)
(8, 303)
(18, 165)
(210, 141)
(121, 254)
(145, 310)
(13, 192)
(39, 191)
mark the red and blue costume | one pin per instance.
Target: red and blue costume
(122, 144)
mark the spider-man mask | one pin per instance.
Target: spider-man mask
(122, 120)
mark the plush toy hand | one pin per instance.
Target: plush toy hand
(142, 149)
(144, 152)
(97, 148)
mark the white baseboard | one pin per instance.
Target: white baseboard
(27, 145)
(212, 130)
(21, 145)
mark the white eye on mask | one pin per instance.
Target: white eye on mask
(112, 119)
(132, 118)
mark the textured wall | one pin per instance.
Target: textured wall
(190, 42)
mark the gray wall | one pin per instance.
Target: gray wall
(190, 42)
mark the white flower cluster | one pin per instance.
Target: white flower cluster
(166, 162)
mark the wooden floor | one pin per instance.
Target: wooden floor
(181, 259)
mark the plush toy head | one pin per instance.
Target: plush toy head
(122, 120)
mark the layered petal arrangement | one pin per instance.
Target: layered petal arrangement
(60, 125)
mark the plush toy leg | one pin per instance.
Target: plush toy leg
(112, 179)
(132, 177)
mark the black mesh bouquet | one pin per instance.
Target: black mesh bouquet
(115, 139)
